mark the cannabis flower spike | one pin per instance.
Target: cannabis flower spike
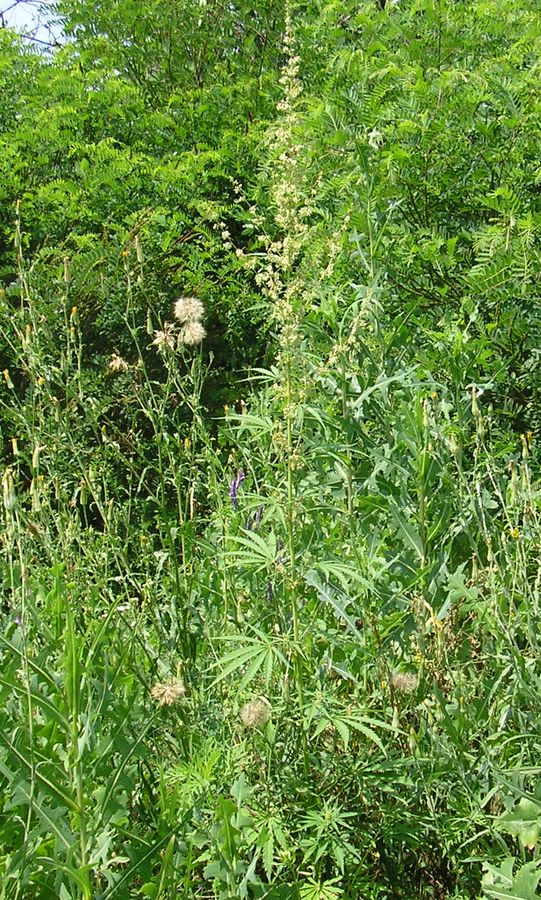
(165, 693)
(255, 713)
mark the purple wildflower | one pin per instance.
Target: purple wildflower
(234, 486)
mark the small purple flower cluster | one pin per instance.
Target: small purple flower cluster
(234, 486)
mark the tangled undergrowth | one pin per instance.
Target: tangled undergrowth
(287, 647)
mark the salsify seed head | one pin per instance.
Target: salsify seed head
(255, 713)
(404, 682)
(192, 333)
(188, 309)
(165, 693)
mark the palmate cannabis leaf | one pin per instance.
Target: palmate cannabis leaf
(364, 725)
(321, 890)
(252, 655)
(258, 554)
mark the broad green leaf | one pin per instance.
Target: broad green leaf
(499, 883)
(331, 596)
(524, 822)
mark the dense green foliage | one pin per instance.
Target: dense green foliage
(271, 599)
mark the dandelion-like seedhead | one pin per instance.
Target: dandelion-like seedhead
(117, 364)
(192, 333)
(255, 713)
(165, 693)
(404, 682)
(188, 309)
(165, 338)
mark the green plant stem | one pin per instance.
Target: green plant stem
(73, 690)
(290, 519)
(349, 474)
